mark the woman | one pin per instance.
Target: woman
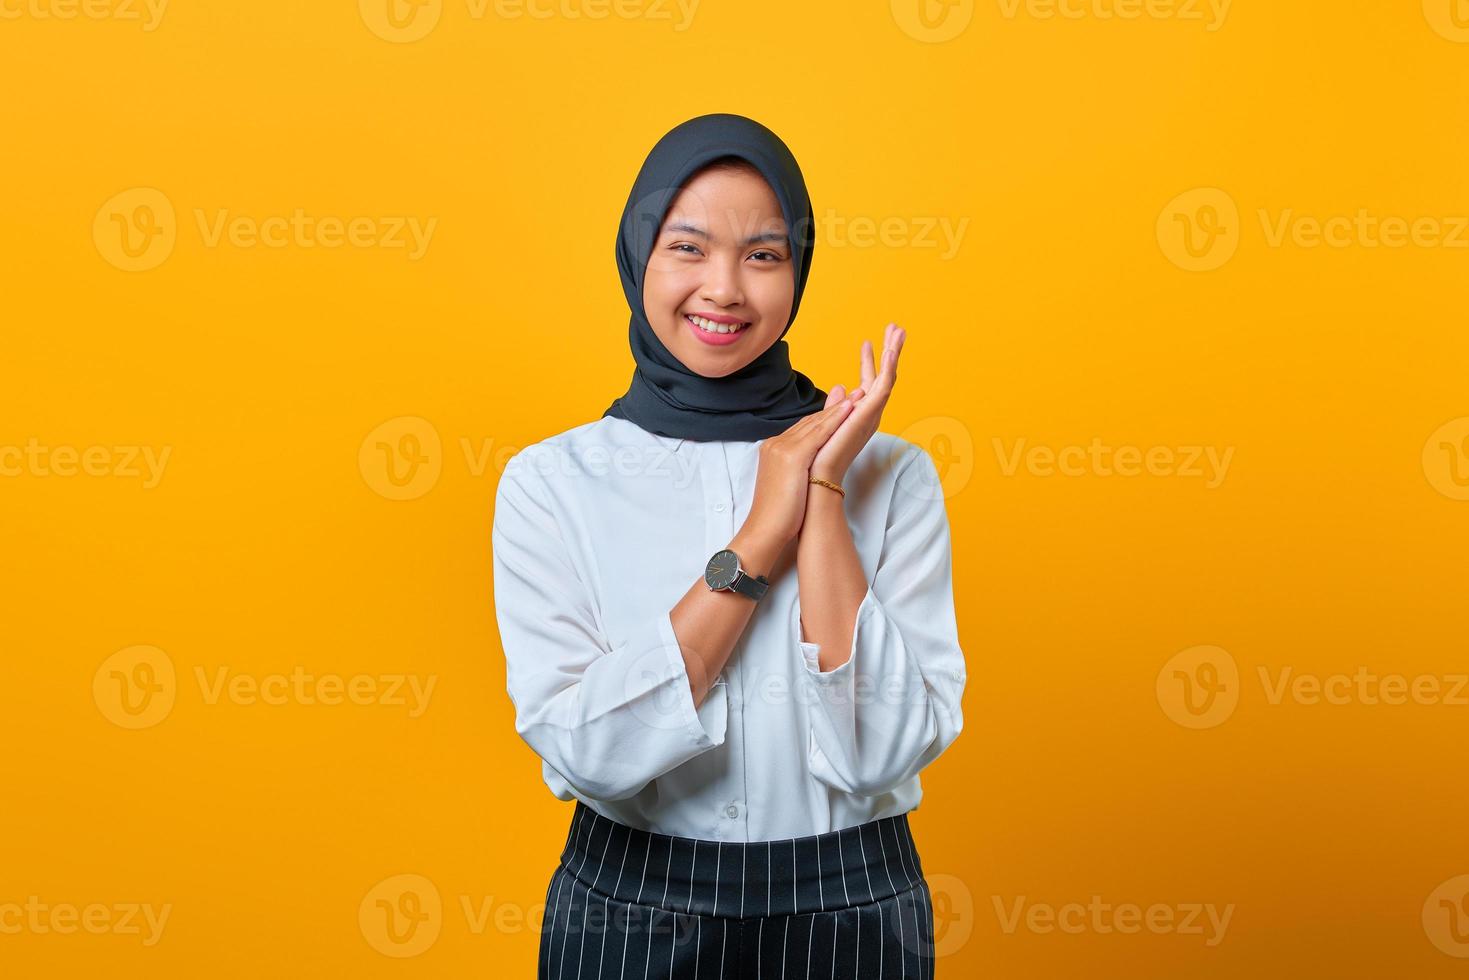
(727, 612)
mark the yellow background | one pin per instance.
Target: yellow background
(272, 542)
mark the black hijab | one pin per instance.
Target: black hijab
(766, 396)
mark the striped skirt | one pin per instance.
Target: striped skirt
(628, 903)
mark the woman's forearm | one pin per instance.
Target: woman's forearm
(709, 623)
(832, 583)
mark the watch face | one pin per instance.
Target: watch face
(722, 568)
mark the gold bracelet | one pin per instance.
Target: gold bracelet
(828, 483)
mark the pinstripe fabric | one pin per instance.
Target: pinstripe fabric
(627, 903)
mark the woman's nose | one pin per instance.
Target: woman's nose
(722, 284)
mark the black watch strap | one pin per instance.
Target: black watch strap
(754, 586)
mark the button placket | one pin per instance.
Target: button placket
(718, 495)
(719, 517)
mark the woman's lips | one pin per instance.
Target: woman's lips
(713, 337)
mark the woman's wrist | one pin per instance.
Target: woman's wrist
(758, 549)
(829, 474)
(820, 495)
(824, 498)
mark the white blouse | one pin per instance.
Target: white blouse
(600, 530)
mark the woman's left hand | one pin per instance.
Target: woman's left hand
(833, 459)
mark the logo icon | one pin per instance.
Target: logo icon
(135, 687)
(661, 706)
(135, 230)
(1446, 917)
(953, 914)
(402, 458)
(933, 21)
(401, 916)
(401, 21)
(1450, 18)
(1199, 230)
(1199, 687)
(950, 445)
(1446, 459)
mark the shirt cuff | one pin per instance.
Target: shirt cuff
(705, 725)
(810, 651)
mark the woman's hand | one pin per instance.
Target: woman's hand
(869, 399)
(783, 478)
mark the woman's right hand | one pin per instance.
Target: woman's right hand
(782, 481)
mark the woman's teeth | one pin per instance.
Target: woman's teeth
(713, 327)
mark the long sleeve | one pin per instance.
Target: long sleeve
(894, 706)
(608, 719)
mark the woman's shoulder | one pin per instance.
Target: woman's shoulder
(902, 464)
(575, 448)
(891, 453)
(592, 431)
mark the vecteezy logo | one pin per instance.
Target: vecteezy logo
(953, 913)
(1450, 18)
(402, 458)
(950, 445)
(933, 21)
(1446, 459)
(1199, 687)
(135, 687)
(401, 916)
(1446, 917)
(659, 705)
(400, 21)
(135, 230)
(1199, 230)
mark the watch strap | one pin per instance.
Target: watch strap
(754, 586)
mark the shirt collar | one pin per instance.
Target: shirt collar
(674, 444)
(671, 443)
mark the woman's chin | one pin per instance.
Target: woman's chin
(704, 368)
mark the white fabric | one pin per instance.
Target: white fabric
(599, 531)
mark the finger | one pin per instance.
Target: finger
(865, 363)
(836, 394)
(812, 418)
(793, 433)
(825, 422)
(840, 411)
(889, 371)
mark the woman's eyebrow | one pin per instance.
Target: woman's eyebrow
(693, 229)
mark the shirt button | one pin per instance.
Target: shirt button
(732, 811)
(719, 508)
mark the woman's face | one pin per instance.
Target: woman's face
(721, 255)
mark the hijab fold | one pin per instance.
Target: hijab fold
(766, 396)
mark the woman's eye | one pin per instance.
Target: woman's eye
(769, 256)
(693, 249)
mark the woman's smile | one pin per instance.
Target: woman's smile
(716, 328)
(722, 262)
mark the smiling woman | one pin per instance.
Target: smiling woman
(742, 798)
(718, 224)
(720, 273)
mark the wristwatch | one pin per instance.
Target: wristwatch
(724, 574)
